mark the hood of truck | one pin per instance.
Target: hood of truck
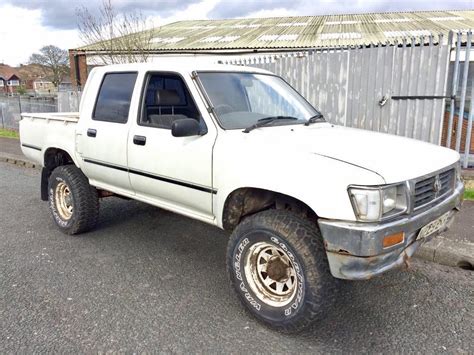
(394, 158)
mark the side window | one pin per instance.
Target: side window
(167, 99)
(115, 94)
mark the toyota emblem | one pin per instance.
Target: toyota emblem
(437, 185)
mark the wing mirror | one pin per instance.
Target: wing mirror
(186, 127)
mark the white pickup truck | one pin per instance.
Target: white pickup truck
(239, 148)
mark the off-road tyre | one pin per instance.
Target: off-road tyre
(301, 240)
(83, 198)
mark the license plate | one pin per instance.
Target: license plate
(434, 226)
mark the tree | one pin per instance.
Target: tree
(113, 37)
(21, 90)
(54, 60)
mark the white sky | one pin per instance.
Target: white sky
(28, 25)
(21, 34)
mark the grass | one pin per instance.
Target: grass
(469, 194)
(8, 133)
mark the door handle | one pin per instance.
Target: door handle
(91, 132)
(139, 140)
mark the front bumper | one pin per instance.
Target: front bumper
(355, 250)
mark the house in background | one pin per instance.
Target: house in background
(13, 83)
(2, 85)
(40, 86)
(36, 79)
(10, 79)
(65, 84)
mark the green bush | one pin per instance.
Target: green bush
(469, 194)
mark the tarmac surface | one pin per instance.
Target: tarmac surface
(150, 280)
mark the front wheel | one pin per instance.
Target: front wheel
(73, 202)
(278, 267)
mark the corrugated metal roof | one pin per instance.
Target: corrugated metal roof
(305, 31)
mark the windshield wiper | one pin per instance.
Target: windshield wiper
(267, 120)
(316, 118)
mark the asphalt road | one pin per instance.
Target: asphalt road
(150, 280)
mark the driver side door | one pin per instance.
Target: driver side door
(171, 172)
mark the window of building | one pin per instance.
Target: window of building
(393, 20)
(446, 18)
(293, 37)
(115, 95)
(167, 40)
(411, 33)
(342, 22)
(13, 83)
(341, 35)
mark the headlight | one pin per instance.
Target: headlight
(373, 203)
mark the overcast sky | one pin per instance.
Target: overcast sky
(27, 25)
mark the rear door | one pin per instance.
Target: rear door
(104, 132)
(172, 172)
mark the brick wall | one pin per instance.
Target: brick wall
(444, 137)
(78, 71)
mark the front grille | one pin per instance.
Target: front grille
(433, 187)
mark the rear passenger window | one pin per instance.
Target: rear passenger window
(115, 94)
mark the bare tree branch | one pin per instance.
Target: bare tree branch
(117, 38)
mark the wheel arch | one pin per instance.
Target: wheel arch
(52, 158)
(246, 201)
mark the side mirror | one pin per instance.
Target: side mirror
(185, 127)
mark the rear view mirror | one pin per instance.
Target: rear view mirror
(185, 127)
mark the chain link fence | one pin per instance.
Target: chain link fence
(11, 107)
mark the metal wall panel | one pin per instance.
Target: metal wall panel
(374, 87)
(459, 136)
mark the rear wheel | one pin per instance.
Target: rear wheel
(278, 267)
(73, 202)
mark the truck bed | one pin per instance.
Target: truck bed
(57, 116)
(39, 131)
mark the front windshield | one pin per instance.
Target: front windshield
(240, 100)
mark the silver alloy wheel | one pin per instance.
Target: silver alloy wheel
(271, 274)
(63, 199)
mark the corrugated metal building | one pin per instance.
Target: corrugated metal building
(282, 34)
(290, 33)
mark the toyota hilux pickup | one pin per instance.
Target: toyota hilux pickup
(306, 202)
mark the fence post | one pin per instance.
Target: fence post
(454, 91)
(467, 146)
(463, 92)
(3, 114)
